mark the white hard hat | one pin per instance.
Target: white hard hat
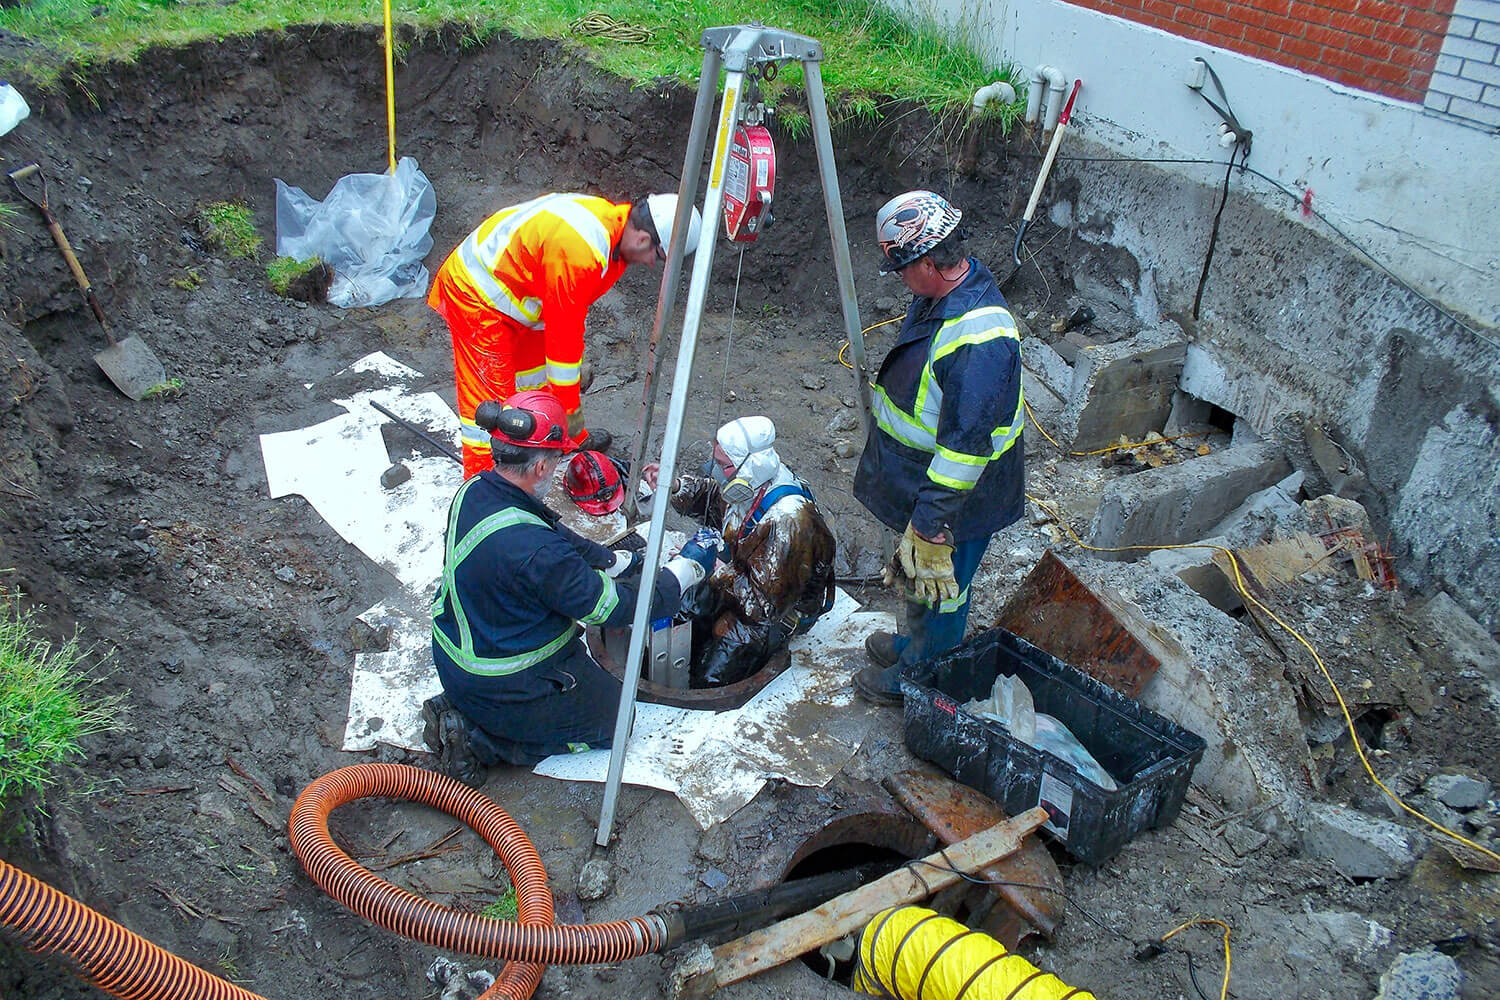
(663, 212)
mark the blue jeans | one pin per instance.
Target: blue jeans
(930, 631)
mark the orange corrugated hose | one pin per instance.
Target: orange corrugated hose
(126, 965)
(533, 938)
(118, 961)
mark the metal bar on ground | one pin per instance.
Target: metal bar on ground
(420, 433)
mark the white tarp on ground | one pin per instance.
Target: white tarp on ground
(802, 727)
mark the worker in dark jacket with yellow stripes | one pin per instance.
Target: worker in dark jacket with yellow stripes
(943, 463)
(518, 682)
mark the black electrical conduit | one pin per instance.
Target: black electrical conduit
(126, 965)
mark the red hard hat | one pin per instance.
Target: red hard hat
(534, 419)
(593, 482)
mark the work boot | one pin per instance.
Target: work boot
(456, 755)
(432, 710)
(879, 686)
(596, 440)
(880, 647)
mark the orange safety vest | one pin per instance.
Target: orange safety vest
(541, 265)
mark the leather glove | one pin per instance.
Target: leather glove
(575, 424)
(929, 566)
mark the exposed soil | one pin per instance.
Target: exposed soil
(148, 526)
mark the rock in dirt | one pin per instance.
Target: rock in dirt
(457, 982)
(394, 476)
(843, 421)
(1421, 975)
(715, 880)
(845, 449)
(1357, 844)
(596, 880)
(1458, 791)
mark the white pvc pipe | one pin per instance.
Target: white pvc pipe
(997, 91)
(1057, 86)
(1034, 96)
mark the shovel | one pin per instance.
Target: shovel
(130, 363)
(1041, 181)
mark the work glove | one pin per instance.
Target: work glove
(575, 424)
(705, 548)
(929, 567)
(626, 562)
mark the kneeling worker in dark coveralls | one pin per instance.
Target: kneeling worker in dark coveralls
(518, 682)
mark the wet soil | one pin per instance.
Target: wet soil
(229, 614)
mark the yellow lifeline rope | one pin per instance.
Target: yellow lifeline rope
(390, 91)
(1250, 599)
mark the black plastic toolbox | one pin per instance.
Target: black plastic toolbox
(1150, 757)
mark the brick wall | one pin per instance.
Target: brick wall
(1467, 81)
(1388, 47)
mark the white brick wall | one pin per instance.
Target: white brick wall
(1466, 80)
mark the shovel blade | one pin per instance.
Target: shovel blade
(132, 366)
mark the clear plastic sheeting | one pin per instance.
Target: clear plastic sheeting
(1010, 704)
(372, 229)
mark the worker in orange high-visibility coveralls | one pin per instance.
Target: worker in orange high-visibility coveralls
(516, 291)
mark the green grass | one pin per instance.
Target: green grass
(229, 226)
(870, 55)
(170, 387)
(282, 271)
(46, 701)
(8, 213)
(504, 908)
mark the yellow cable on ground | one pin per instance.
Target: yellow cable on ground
(1223, 990)
(911, 953)
(390, 90)
(1250, 599)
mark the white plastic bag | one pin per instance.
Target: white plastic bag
(13, 107)
(371, 229)
(1011, 705)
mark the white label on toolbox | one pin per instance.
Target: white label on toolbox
(1056, 796)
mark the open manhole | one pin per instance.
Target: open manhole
(881, 841)
(715, 699)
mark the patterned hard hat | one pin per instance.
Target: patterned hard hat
(593, 482)
(910, 225)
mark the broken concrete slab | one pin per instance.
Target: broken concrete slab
(1178, 504)
(1358, 844)
(1421, 975)
(1222, 687)
(1458, 791)
(1464, 641)
(1124, 388)
(1449, 506)
(1245, 391)
(1038, 358)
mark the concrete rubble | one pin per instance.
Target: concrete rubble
(1357, 844)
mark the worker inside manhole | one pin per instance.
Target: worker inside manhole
(776, 575)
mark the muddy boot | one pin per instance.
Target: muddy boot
(432, 710)
(879, 686)
(882, 649)
(456, 755)
(596, 440)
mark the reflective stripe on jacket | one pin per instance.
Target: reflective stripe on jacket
(540, 264)
(515, 587)
(942, 449)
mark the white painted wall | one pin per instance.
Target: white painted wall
(1421, 191)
